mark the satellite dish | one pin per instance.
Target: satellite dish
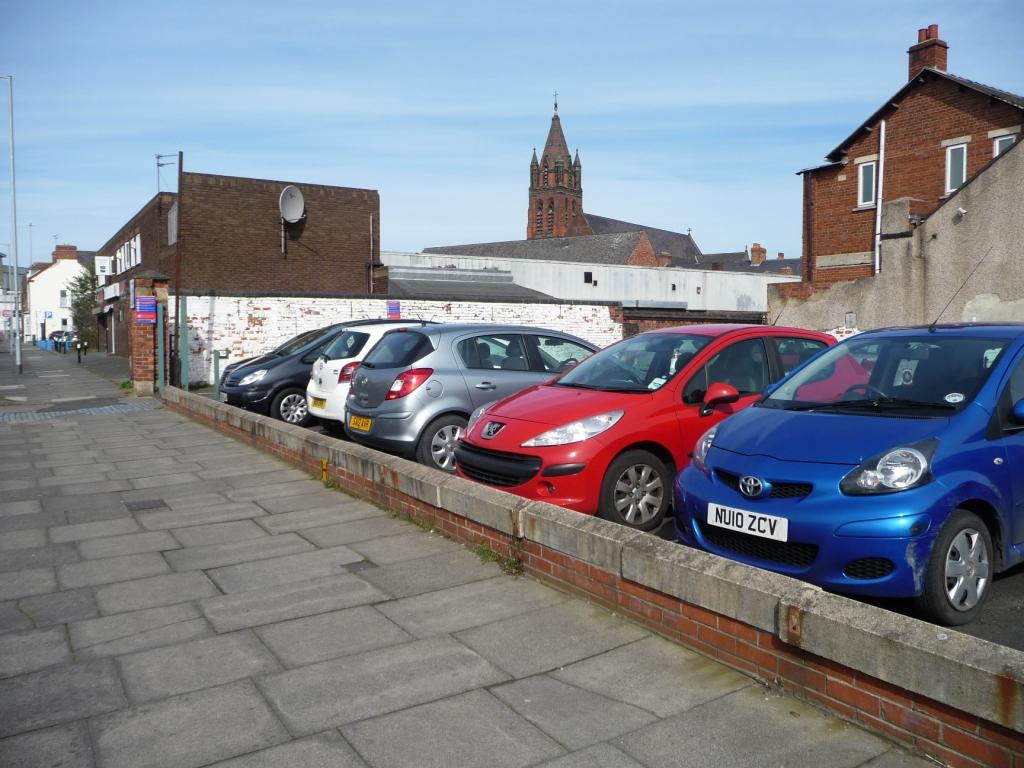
(293, 206)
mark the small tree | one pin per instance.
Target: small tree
(83, 301)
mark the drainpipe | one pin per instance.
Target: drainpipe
(878, 199)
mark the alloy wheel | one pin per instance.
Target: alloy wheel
(293, 408)
(638, 494)
(442, 446)
(967, 569)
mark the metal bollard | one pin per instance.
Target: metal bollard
(87, 349)
(79, 348)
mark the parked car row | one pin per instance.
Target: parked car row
(889, 465)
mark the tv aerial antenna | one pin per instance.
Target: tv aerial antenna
(293, 210)
(161, 161)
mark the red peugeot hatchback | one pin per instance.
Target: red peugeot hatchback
(608, 436)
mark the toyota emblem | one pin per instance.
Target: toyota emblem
(491, 429)
(751, 486)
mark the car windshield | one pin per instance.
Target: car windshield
(347, 344)
(932, 375)
(293, 345)
(642, 363)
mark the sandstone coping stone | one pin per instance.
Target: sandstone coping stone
(415, 480)
(595, 541)
(481, 504)
(732, 589)
(983, 678)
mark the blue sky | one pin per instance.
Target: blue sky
(687, 114)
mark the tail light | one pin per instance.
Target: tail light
(347, 371)
(408, 381)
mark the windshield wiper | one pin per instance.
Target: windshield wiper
(874, 404)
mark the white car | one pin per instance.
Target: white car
(331, 374)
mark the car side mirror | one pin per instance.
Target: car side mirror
(718, 394)
(1018, 412)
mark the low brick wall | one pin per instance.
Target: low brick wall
(948, 695)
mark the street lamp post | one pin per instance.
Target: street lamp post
(14, 227)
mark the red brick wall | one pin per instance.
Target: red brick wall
(643, 254)
(915, 166)
(150, 224)
(955, 738)
(230, 234)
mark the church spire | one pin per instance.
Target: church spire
(556, 192)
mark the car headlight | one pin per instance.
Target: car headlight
(700, 452)
(575, 431)
(253, 377)
(474, 417)
(900, 469)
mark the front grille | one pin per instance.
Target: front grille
(504, 470)
(869, 568)
(779, 490)
(788, 553)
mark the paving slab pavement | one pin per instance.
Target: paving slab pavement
(180, 610)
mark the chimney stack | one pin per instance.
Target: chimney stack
(664, 258)
(65, 252)
(757, 254)
(781, 256)
(930, 51)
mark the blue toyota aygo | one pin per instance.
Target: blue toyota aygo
(890, 465)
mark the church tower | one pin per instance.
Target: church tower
(556, 189)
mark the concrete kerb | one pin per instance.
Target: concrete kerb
(966, 674)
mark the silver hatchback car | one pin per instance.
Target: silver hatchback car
(415, 390)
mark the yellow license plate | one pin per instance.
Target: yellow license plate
(361, 423)
(319, 402)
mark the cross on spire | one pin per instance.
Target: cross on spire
(556, 102)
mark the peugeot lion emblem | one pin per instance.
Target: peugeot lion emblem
(491, 429)
(751, 486)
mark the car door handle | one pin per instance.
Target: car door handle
(486, 385)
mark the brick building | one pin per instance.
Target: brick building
(224, 235)
(925, 142)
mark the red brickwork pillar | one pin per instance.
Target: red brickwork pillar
(142, 336)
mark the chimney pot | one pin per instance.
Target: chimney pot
(757, 254)
(928, 52)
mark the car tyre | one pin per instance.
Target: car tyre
(958, 578)
(636, 491)
(436, 446)
(290, 406)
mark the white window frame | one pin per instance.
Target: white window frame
(949, 166)
(996, 152)
(861, 202)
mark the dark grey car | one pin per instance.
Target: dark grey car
(415, 391)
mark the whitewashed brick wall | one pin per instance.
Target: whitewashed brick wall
(246, 326)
